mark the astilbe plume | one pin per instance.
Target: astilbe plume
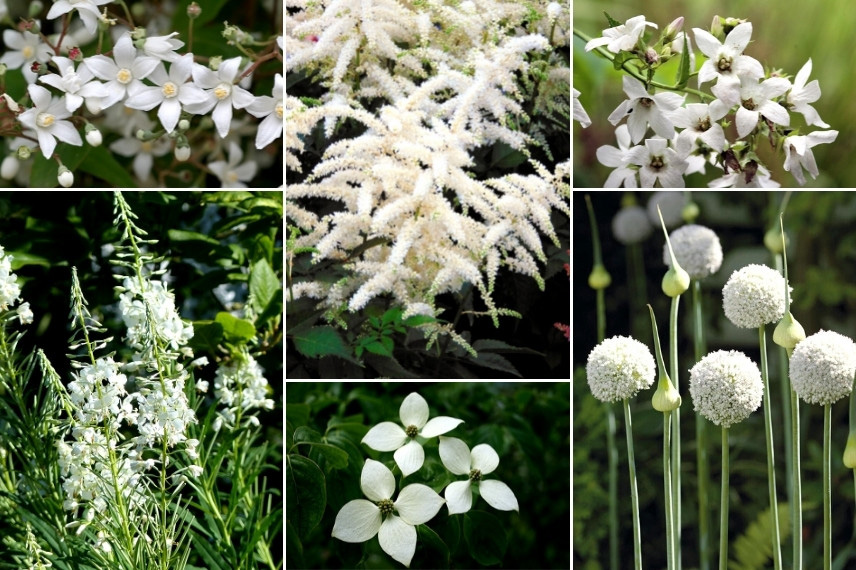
(415, 221)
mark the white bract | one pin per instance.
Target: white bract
(822, 367)
(754, 296)
(618, 368)
(726, 387)
(483, 459)
(388, 436)
(360, 520)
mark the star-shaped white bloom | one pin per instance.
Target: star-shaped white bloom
(23, 49)
(232, 173)
(78, 85)
(617, 158)
(726, 60)
(270, 108)
(657, 162)
(387, 436)
(699, 123)
(623, 37)
(123, 73)
(87, 9)
(801, 94)
(170, 92)
(222, 93)
(756, 99)
(641, 109)
(458, 459)
(798, 153)
(360, 520)
(162, 47)
(144, 153)
(46, 119)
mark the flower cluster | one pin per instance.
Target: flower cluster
(72, 97)
(754, 296)
(697, 250)
(689, 137)
(726, 387)
(618, 368)
(360, 520)
(10, 290)
(240, 386)
(822, 367)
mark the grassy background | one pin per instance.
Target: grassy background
(785, 34)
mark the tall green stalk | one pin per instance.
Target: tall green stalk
(668, 490)
(723, 509)
(702, 465)
(827, 487)
(771, 463)
(676, 427)
(634, 493)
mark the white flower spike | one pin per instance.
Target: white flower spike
(360, 520)
(458, 459)
(388, 436)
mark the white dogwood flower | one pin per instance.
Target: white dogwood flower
(483, 459)
(388, 436)
(360, 520)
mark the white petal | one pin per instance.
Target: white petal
(459, 497)
(706, 42)
(746, 121)
(169, 113)
(410, 458)
(455, 455)
(241, 97)
(357, 521)
(222, 116)
(498, 495)
(417, 504)
(738, 38)
(270, 129)
(413, 411)
(65, 131)
(439, 425)
(485, 458)
(101, 67)
(377, 481)
(398, 539)
(47, 143)
(385, 436)
(145, 99)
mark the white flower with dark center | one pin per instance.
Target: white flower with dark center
(387, 436)
(822, 367)
(222, 93)
(483, 459)
(623, 37)
(170, 92)
(726, 387)
(630, 225)
(46, 118)
(754, 296)
(699, 123)
(618, 368)
(360, 520)
(759, 178)
(270, 110)
(697, 250)
(801, 95)
(87, 9)
(22, 50)
(78, 85)
(726, 61)
(798, 154)
(123, 73)
(657, 162)
(756, 100)
(641, 109)
(617, 158)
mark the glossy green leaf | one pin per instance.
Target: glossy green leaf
(305, 434)
(293, 547)
(206, 336)
(297, 414)
(99, 162)
(305, 494)
(485, 537)
(263, 284)
(336, 458)
(235, 329)
(684, 66)
(321, 341)
(612, 21)
(427, 538)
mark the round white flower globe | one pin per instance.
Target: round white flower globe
(697, 250)
(671, 205)
(630, 225)
(726, 387)
(822, 367)
(754, 296)
(618, 368)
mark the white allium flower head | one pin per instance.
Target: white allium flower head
(726, 387)
(754, 296)
(671, 205)
(618, 368)
(630, 225)
(697, 249)
(822, 367)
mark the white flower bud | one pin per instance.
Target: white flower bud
(93, 136)
(9, 167)
(182, 153)
(65, 177)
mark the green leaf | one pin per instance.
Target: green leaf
(272, 310)
(297, 414)
(382, 346)
(234, 329)
(263, 285)
(753, 549)
(206, 336)
(305, 494)
(20, 259)
(321, 341)
(485, 537)
(337, 458)
(684, 66)
(293, 548)
(612, 22)
(183, 235)
(620, 59)
(212, 555)
(100, 163)
(430, 539)
(392, 315)
(305, 434)
(494, 362)
(498, 346)
(503, 156)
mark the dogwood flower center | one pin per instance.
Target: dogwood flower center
(45, 120)
(223, 90)
(385, 506)
(475, 475)
(169, 90)
(124, 76)
(411, 431)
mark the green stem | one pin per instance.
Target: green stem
(667, 485)
(771, 463)
(796, 496)
(827, 487)
(601, 315)
(723, 509)
(702, 464)
(636, 269)
(612, 448)
(785, 387)
(676, 426)
(634, 494)
(638, 74)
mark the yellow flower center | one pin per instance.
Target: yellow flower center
(222, 91)
(124, 76)
(169, 90)
(28, 52)
(146, 147)
(279, 109)
(232, 176)
(45, 120)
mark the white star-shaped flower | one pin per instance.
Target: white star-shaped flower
(78, 85)
(483, 459)
(580, 114)
(270, 108)
(87, 9)
(657, 162)
(232, 173)
(617, 158)
(699, 122)
(798, 154)
(222, 93)
(360, 520)
(756, 99)
(388, 436)
(23, 49)
(726, 61)
(170, 92)
(623, 37)
(46, 119)
(123, 73)
(801, 94)
(641, 109)
(162, 47)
